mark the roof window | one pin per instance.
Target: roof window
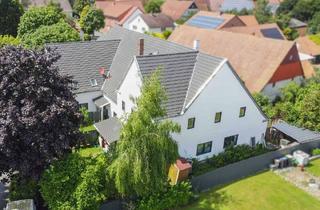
(93, 82)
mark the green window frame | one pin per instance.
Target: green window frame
(204, 148)
(242, 111)
(217, 117)
(191, 122)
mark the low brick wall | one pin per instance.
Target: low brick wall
(246, 167)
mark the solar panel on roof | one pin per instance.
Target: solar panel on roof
(205, 22)
(273, 33)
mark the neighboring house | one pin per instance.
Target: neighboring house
(214, 20)
(131, 15)
(274, 5)
(298, 25)
(64, 4)
(212, 113)
(179, 9)
(228, 5)
(307, 46)
(270, 30)
(265, 65)
(119, 12)
(249, 20)
(151, 23)
(83, 61)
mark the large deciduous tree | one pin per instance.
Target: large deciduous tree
(299, 105)
(59, 32)
(153, 6)
(91, 19)
(39, 118)
(146, 148)
(78, 5)
(10, 12)
(262, 11)
(36, 17)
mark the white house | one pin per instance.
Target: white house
(130, 17)
(205, 95)
(84, 61)
(151, 23)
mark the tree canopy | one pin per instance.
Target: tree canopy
(91, 19)
(59, 32)
(36, 17)
(299, 105)
(77, 182)
(10, 13)
(286, 6)
(314, 24)
(262, 11)
(41, 25)
(146, 148)
(78, 5)
(153, 6)
(39, 118)
(304, 10)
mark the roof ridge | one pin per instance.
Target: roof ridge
(166, 54)
(81, 42)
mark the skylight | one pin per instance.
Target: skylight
(93, 82)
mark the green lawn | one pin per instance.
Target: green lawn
(91, 151)
(87, 129)
(264, 191)
(314, 167)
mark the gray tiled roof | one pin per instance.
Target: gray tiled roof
(182, 75)
(100, 101)
(299, 134)
(295, 23)
(176, 71)
(82, 60)
(109, 129)
(204, 68)
(128, 48)
(157, 20)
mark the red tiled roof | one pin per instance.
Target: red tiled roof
(175, 8)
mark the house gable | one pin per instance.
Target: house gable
(227, 98)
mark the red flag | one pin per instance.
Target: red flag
(101, 70)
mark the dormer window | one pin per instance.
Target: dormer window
(93, 82)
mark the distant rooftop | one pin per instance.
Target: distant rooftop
(205, 22)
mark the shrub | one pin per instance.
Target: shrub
(22, 189)
(173, 197)
(230, 155)
(316, 152)
(77, 182)
(8, 40)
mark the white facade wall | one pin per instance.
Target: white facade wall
(138, 25)
(88, 97)
(130, 89)
(225, 94)
(273, 90)
(218, 96)
(126, 24)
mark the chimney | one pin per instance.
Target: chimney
(141, 46)
(196, 44)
